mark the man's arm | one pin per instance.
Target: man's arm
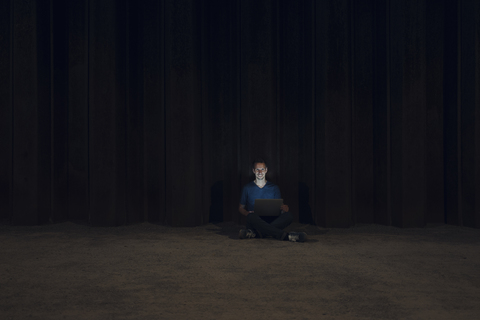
(241, 209)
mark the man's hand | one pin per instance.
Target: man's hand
(284, 208)
(242, 210)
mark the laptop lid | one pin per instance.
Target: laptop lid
(268, 207)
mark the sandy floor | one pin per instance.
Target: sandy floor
(146, 271)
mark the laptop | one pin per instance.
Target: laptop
(268, 207)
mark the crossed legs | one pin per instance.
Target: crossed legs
(273, 229)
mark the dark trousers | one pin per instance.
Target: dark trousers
(273, 229)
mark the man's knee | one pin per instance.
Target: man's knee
(288, 217)
(252, 217)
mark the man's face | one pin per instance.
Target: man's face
(260, 171)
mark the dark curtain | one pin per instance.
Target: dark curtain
(119, 111)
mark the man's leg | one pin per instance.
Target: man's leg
(264, 228)
(283, 220)
(250, 226)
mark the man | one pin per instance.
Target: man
(256, 226)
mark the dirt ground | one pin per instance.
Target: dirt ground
(146, 271)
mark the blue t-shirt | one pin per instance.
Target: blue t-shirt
(251, 192)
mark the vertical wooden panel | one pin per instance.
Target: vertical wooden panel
(25, 95)
(319, 107)
(202, 33)
(397, 47)
(476, 218)
(32, 142)
(78, 197)
(232, 111)
(6, 87)
(134, 116)
(154, 110)
(259, 87)
(60, 111)
(338, 132)
(291, 99)
(450, 113)
(381, 115)
(306, 177)
(107, 112)
(217, 45)
(434, 209)
(221, 40)
(334, 105)
(362, 122)
(470, 106)
(183, 113)
(44, 117)
(235, 176)
(408, 117)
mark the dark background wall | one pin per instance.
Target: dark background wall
(120, 111)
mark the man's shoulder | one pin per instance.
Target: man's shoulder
(249, 185)
(271, 184)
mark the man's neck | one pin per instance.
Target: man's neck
(260, 183)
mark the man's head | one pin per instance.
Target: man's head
(259, 168)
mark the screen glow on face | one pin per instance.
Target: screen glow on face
(260, 171)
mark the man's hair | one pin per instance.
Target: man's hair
(258, 160)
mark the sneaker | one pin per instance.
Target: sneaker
(297, 236)
(246, 234)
